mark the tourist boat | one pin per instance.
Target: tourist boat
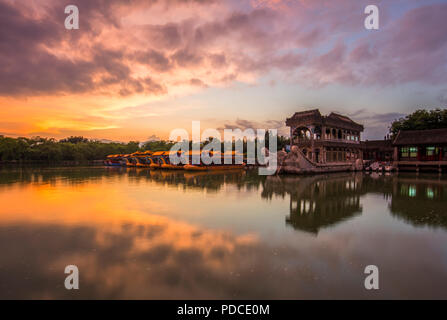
(137, 159)
(170, 166)
(193, 167)
(167, 162)
(161, 160)
(114, 160)
(215, 167)
(129, 161)
(143, 159)
(158, 159)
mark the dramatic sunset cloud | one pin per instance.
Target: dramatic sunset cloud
(138, 68)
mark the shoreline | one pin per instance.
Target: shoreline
(19, 163)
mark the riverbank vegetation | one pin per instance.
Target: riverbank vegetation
(51, 150)
(80, 149)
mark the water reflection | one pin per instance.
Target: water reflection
(421, 202)
(315, 202)
(159, 234)
(318, 201)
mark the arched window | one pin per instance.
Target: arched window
(317, 132)
(301, 133)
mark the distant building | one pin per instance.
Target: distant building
(421, 148)
(324, 139)
(378, 150)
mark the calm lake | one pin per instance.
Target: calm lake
(235, 235)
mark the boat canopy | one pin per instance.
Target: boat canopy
(139, 153)
(158, 153)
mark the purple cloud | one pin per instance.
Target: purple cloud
(318, 41)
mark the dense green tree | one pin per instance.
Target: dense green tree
(421, 120)
(158, 145)
(70, 149)
(73, 139)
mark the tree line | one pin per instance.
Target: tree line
(421, 120)
(81, 149)
(77, 148)
(51, 150)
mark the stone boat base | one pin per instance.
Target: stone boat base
(296, 162)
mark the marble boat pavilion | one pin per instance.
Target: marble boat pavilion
(336, 138)
(326, 139)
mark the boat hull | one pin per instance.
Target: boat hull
(112, 164)
(171, 167)
(190, 167)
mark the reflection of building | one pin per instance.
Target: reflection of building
(421, 148)
(326, 203)
(319, 201)
(332, 138)
(420, 202)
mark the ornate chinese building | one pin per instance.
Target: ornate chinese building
(421, 149)
(325, 139)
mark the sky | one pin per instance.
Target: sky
(137, 69)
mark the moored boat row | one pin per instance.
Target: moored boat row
(161, 160)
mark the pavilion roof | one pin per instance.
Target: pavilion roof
(314, 117)
(418, 137)
(377, 144)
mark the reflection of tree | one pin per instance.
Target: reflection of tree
(208, 181)
(318, 201)
(420, 201)
(71, 175)
(315, 201)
